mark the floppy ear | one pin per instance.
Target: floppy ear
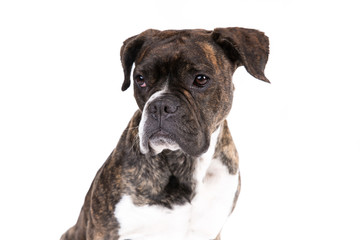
(129, 51)
(244, 47)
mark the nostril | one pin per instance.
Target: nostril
(170, 109)
(153, 108)
(162, 108)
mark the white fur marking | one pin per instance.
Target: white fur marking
(144, 149)
(200, 220)
(159, 147)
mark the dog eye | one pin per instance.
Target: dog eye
(140, 80)
(201, 80)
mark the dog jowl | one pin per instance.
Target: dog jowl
(174, 173)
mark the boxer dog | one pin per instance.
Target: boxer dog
(174, 174)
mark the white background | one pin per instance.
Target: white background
(62, 111)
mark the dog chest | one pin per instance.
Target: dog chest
(202, 219)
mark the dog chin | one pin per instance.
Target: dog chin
(157, 143)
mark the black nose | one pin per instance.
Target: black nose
(162, 108)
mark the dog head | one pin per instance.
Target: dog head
(183, 82)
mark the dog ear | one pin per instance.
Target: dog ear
(129, 51)
(246, 47)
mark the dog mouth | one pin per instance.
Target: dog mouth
(161, 136)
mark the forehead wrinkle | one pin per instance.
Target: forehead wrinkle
(156, 48)
(173, 64)
(164, 58)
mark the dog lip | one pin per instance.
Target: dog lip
(161, 134)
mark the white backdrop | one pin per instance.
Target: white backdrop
(62, 111)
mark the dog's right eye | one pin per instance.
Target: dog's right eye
(140, 80)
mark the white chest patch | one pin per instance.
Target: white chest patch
(202, 219)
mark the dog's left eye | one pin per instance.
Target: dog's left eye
(201, 80)
(140, 80)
